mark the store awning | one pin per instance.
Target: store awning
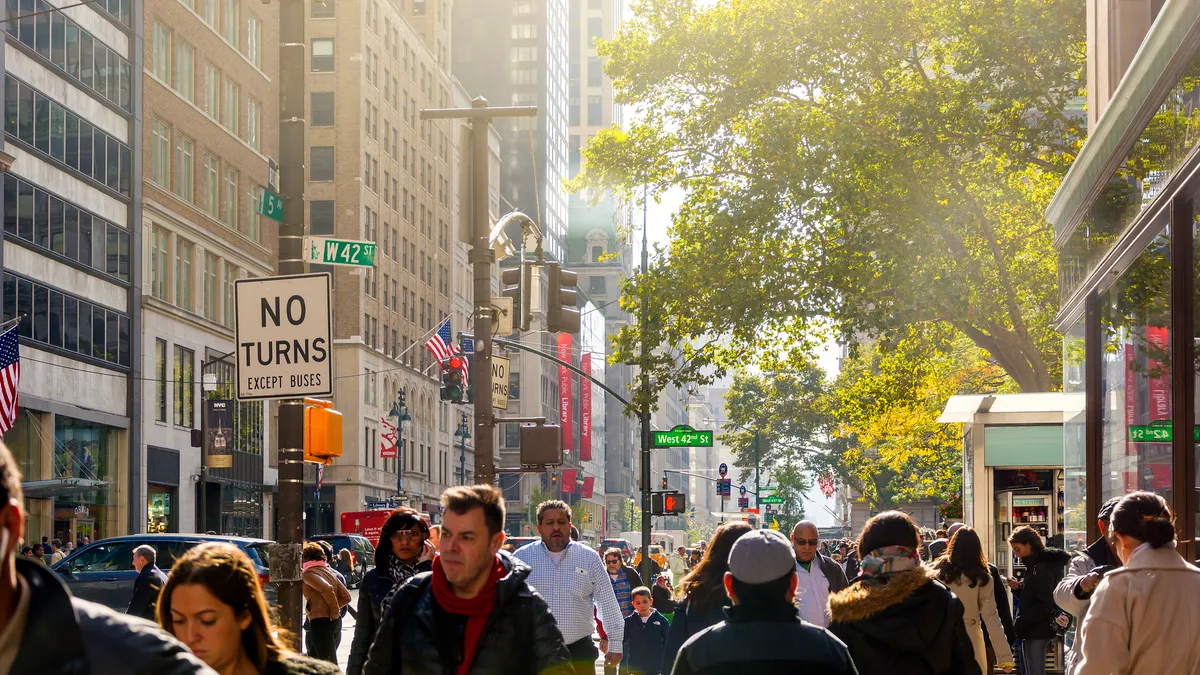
(61, 487)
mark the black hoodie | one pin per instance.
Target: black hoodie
(1035, 599)
(906, 624)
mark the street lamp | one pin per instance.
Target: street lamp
(463, 432)
(208, 384)
(400, 412)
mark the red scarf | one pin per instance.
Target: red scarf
(476, 609)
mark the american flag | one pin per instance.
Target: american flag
(442, 347)
(10, 375)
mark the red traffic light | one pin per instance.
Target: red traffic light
(455, 363)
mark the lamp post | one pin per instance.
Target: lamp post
(463, 432)
(400, 412)
(208, 385)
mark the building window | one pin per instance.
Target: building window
(254, 41)
(210, 13)
(321, 9)
(160, 380)
(212, 299)
(232, 19)
(230, 202)
(211, 197)
(227, 283)
(211, 85)
(254, 230)
(253, 122)
(66, 321)
(160, 153)
(595, 110)
(320, 216)
(229, 112)
(184, 178)
(183, 274)
(322, 109)
(595, 71)
(596, 285)
(185, 60)
(159, 262)
(185, 387)
(321, 162)
(322, 55)
(161, 52)
(595, 31)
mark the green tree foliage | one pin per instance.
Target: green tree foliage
(876, 164)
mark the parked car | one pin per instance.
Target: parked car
(103, 570)
(362, 553)
(620, 544)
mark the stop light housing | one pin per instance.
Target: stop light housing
(562, 316)
(452, 379)
(517, 283)
(674, 503)
(664, 482)
(322, 431)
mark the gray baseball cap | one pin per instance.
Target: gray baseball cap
(760, 556)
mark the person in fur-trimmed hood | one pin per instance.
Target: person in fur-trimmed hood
(896, 618)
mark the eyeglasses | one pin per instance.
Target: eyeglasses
(809, 542)
(613, 561)
(407, 535)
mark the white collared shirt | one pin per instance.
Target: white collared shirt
(812, 593)
(571, 587)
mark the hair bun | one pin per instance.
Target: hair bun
(1159, 531)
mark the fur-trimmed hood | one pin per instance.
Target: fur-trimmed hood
(867, 596)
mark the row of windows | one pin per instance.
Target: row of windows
(173, 266)
(62, 320)
(225, 17)
(55, 131)
(72, 49)
(41, 218)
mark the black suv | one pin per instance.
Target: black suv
(362, 553)
(103, 570)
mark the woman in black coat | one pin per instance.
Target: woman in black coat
(402, 552)
(1036, 610)
(896, 618)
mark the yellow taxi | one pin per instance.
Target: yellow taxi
(656, 554)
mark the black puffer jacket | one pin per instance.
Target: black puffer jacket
(909, 624)
(416, 637)
(301, 665)
(83, 638)
(1035, 599)
(372, 595)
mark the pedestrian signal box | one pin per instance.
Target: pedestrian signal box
(322, 431)
(667, 503)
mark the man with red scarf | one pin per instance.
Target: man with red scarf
(474, 613)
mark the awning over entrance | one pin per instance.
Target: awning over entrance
(61, 487)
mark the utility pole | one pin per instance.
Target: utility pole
(757, 472)
(289, 532)
(483, 259)
(647, 525)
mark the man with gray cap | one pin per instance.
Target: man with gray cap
(1074, 593)
(762, 633)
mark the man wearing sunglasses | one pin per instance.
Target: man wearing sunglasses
(819, 576)
(624, 579)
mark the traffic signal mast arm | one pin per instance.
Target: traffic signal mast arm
(707, 478)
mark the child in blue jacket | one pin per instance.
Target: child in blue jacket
(645, 635)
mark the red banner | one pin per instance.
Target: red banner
(568, 481)
(585, 410)
(1159, 342)
(564, 396)
(387, 439)
(589, 484)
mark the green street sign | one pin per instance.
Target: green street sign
(326, 251)
(770, 499)
(1157, 432)
(683, 436)
(271, 205)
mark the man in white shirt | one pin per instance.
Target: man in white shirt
(818, 576)
(572, 579)
(678, 564)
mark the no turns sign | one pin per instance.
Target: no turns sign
(284, 345)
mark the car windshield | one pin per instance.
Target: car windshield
(259, 553)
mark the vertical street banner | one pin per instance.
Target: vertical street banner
(387, 439)
(564, 397)
(1159, 343)
(585, 410)
(589, 486)
(220, 433)
(568, 481)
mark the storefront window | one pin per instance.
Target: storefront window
(160, 512)
(241, 511)
(22, 441)
(86, 450)
(1135, 324)
(1074, 438)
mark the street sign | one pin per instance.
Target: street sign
(283, 337)
(723, 469)
(683, 436)
(742, 490)
(271, 205)
(770, 499)
(724, 487)
(327, 251)
(743, 502)
(500, 382)
(1156, 432)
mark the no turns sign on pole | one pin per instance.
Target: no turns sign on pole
(284, 341)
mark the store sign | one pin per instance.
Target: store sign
(585, 409)
(565, 414)
(283, 336)
(220, 433)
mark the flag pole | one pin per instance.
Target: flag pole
(11, 323)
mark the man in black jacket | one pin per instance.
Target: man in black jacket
(148, 584)
(39, 619)
(474, 610)
(762, 633)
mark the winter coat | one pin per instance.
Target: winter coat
(301, 665)
(324, 593)
(146, 588)
(417, 637)
(981, 601)
(688, 621)
(83, 638)
(906, 624)
(662, 599)
(764, 642)
(1071, 598)
(644, 642)
(1035, 599)
(1144, 618)
(374, 592)
(834, 574)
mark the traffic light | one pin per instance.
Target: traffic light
(562, 316)
(674, 503)
(553, 480)
(452, 379)
(517, 283)
(664, 481)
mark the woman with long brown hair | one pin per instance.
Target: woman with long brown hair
(703, 592)
(214, 604)
(964, 570)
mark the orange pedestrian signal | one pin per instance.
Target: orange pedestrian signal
(673, 502)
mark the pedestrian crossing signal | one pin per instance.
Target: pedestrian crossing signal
(673, 502)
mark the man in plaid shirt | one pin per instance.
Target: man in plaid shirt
(573, 580)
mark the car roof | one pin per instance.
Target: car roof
(183, 536)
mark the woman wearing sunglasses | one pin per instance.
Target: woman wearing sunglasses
(403, 551)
